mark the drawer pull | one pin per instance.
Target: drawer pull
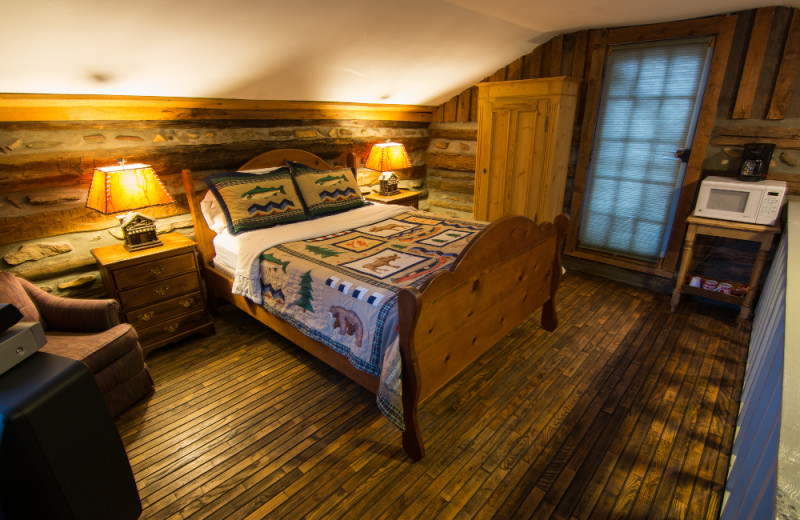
(157, 270)
(188, 302)
(145, 316)
(161, 291)
(172, 327)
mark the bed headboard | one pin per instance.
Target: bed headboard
(204, 236)
(279, 157)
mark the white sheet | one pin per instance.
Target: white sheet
(226, 250)
(243, 250)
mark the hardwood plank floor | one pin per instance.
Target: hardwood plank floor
(625, 411)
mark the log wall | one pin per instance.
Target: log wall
(49, 147)
(451, 168)
(756, 103)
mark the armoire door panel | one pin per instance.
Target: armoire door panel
(529, 153)
(520, 163)
(498, 164)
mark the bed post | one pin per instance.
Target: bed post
(409, 375)
(202, 234)
(549, 317)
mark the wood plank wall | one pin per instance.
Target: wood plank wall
(757, 103)
(50, 145)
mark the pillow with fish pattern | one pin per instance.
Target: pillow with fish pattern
(252, 201)
(327, 191)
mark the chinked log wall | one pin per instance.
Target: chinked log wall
(50, 145)
(757, 102)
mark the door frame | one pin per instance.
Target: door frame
(722, 28)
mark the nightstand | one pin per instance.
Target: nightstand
(158, 289)
(404, 198)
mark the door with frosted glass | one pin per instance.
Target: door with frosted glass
(649, 105)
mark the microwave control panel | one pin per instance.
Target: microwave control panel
(770, 207)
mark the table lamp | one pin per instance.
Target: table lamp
(129, 187)
(385, 158)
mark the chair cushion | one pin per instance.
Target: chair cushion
(97, 350)
(121, 397)
(12, 292)
(120, 370)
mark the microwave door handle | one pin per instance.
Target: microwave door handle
(683, 154)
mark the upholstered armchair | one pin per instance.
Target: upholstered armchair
(88, 331)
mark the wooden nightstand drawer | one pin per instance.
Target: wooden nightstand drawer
(147, 316)
(162, 290)
(158, 289)
(170, 328)
(151, 272)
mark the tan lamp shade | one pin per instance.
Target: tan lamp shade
(125, 188)
(387, 157)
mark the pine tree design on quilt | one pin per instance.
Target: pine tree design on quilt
(322, 251)
(305, 293)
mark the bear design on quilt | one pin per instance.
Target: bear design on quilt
(348, 323)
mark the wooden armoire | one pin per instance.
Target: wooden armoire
(524, 140)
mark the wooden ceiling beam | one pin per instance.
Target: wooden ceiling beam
(46, 107)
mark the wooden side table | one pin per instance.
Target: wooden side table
(726, 229)
(404, 198)
(158, 289)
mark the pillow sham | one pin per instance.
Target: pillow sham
(326, 191)
(254, 201)
(213, 214)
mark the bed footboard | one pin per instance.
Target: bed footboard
(509, 271)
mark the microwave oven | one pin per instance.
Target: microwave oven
(729, 199)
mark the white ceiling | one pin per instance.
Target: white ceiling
(369, 51)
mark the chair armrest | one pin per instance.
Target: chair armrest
(73, 314)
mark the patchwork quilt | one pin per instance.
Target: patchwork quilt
(341, 289)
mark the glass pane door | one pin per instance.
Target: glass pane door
(648, 110)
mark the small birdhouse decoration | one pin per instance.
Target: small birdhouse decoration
(388, 183)
(386, 157)
(139, 232)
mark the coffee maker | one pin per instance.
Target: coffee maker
(755, 161)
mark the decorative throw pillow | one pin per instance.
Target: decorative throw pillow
(256, 201)
(326, 191)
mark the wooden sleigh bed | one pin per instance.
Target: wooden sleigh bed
(507, 272)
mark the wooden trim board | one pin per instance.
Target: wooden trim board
(46, 107)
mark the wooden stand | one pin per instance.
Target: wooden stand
(401, 198)
(723, 228)
(158, 289)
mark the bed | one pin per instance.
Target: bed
(440, 321)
